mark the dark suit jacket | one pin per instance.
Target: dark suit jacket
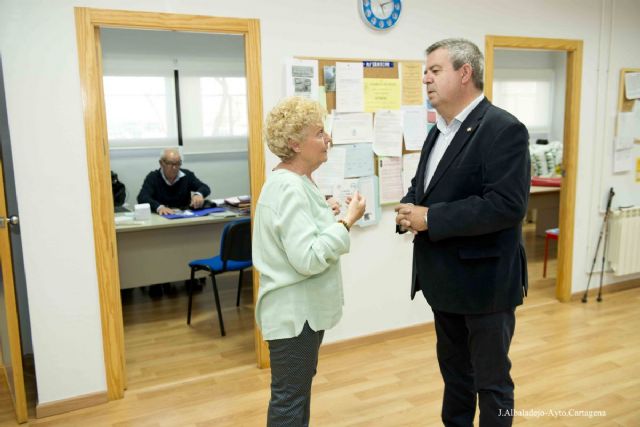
(471, 259)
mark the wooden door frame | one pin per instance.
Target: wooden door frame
(18, 394)
(573, 48)
(88, 24)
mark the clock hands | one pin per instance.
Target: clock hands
(378, 8)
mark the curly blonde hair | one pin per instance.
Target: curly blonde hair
(288, 121)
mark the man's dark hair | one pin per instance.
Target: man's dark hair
(462, 51)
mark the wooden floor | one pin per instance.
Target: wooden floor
(566, 357)
(160, 348)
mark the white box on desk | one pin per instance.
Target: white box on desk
(142, 212)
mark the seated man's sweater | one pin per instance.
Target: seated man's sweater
(157, 192)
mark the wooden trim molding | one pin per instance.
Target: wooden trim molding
(573, 48)
(256, 154)
(607, 289)
(429, 327)
(72, 404)
(88, 38)
(88, 24)
(378, 337)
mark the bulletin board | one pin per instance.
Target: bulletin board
(386, 69)
(624, 104)
(369, 73)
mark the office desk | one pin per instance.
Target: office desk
(160, 249)
(546, 202)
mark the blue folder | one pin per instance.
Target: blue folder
(193, 214)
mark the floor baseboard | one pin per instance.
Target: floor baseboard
(607, 289)
(72, 404)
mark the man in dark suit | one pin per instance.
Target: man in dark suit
(465, 206)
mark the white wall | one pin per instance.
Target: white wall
(38, 45)
(618, 49)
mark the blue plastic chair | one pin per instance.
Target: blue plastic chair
(235, 255)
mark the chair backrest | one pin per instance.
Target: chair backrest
(235, 244)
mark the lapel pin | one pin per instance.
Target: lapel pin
(469, 129)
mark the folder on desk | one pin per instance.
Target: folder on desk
(193, 214)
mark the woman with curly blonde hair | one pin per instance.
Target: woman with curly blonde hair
(297, 245)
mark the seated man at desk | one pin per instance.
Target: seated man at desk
(171, 187)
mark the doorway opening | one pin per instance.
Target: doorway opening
(89, 23)
(571, 51)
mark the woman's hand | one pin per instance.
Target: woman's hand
(334, 205)
(357, 206)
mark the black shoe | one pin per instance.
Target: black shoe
(169, 289)
(155, 291)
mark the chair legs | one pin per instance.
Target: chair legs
(217, 298)
(546, 255)
(215, 295)
(239, 288)
(190, 289)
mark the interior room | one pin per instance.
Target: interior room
(87, 88)
(185, 91)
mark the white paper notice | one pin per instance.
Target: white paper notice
(350, 128)
(368, 187)
(387, 133)
(302, 78)
(409, 167)
(359, 160)
(390, 174)
(349, 87)
(328, 123)
(622, 160)
(414, 123)
(342, 189)
(632, 85)
(628, 129)
(331, 172)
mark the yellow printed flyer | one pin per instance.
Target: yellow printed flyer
(381, 94)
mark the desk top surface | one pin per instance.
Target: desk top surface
(158, 221)
(536, 189)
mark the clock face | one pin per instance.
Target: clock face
(381, 14)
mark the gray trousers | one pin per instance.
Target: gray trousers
(293, 366)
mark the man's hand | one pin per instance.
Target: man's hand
(163, 210)
(411, 217)
(334, 205)
(196, 201)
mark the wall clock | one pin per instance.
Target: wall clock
(380, 14)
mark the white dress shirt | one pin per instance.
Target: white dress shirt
(447, 133)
